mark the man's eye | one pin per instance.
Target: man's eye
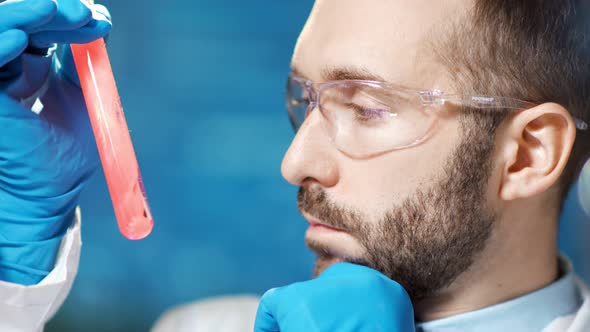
(369, 114)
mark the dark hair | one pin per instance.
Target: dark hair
(536, 50)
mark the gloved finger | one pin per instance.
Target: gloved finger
(26, 14)
(71, 14)
(12, 44)
(98, 27)
(266, 315)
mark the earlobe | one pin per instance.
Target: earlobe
(536, 149)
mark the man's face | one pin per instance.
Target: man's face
(419, 214)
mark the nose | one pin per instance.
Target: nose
(311, 156)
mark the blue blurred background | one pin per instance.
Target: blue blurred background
(202, 82)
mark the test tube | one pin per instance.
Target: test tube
(110, 129)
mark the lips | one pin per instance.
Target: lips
(320, 225)
(331, 244)
(324, 227)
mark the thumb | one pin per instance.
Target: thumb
(265, 316)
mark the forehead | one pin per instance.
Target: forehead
(387, 38)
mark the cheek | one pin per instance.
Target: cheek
(376, 185)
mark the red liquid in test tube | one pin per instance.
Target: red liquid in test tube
(113, 140)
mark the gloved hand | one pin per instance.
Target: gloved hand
(44, 159)
(344, 298)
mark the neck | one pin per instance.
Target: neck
(519, 258)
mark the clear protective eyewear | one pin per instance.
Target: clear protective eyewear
(367, 118)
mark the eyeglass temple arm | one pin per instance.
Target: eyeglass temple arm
(437, 97)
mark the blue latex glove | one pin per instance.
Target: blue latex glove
(344, 298)
(44, 159)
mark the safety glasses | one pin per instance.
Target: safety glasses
(366, 118)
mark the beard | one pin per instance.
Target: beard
(430, 238)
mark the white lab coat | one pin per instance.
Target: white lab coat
(28, 308)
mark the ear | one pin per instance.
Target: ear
(535, 149)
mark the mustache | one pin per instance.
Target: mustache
(315, 202)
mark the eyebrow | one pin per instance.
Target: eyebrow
(343, 73)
